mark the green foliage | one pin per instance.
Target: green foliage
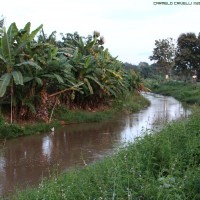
(185, 92)
(182, 61)
(164, 53)
(158, 166)
(4, 82)
(187, 55)
(39, 127)
(76, 71)
(1, 120)
(84, 116)
(10, 130)
(12, 45)
(128, 103)
(131, 102)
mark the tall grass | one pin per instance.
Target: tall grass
(165, 165)
(9, 130)
(81, 116)
(185, 92)
(131, 103)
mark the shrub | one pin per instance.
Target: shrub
(10, 130)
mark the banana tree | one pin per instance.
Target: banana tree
(90, 64)
(54, 77)
(12, 44)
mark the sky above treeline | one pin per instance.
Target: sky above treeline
(130, 27)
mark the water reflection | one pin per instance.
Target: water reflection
(47, 146)
(162, 110)
(25, 160)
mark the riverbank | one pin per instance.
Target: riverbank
(158, 166)
(185, 92)
(128, 103)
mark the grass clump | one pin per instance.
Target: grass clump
(80, 116)
(131, 103)
(40, 127)
(9, 130)
(165, 165)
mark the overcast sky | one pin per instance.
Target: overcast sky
(130, 27)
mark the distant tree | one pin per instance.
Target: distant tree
(143, 64)
(163, 54)
(187, 59)
(129, 66)
(146, 71)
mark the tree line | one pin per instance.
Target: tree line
(181, 58)
(39, 72)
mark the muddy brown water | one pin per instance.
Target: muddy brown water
(26, 160)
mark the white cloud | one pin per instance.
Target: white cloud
(130, 27)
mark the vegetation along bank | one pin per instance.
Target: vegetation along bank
(159, 166)
(41, 76)
(183, 91)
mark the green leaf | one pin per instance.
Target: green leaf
(27, 79)
(12, 32)
(2, 58)
(26, 32)
(20, 47)
(81, 43)
(39, 81)
(7, 50)
(48, 76)
(89, 86)
(111, 91)
(87, 62)
(27, 27)
(29, 64)
(31, 107)
(34, 33)
(75, 53)
(18, 78)
(59, 78)
(95, 80)
(4, 82)
(91, 44)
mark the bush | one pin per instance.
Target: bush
(10, 130)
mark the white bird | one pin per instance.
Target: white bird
(52, 131)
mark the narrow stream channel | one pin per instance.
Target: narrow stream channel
(25, 160)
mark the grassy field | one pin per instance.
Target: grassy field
(161, 166)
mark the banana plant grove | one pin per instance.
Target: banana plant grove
(38, 72)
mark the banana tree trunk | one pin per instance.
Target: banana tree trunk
(11, 103)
